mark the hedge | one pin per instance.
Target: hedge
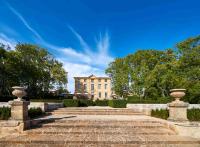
(35, 112)
(70, 103)
(136, 100)
(162, 113)
(85, 103)
(193, 114)
(101, 102)
(117, 103)
(5, 113)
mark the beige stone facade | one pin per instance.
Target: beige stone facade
(94, 87)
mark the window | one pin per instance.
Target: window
(99, 94)
(92, 86)
(105, 80)
(99, 86)
(99, 80)
(106, 86)
(106, 95)
(92, 80)
(79, 85)
(84, 80)
(85, 87)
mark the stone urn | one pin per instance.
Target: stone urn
(177, 94)
(19, 92)
(177, 108)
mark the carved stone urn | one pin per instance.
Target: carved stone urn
(177, 108)
(19, 92)
(177, 94)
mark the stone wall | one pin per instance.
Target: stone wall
(156, 106)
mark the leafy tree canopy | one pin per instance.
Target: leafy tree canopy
(152, 73)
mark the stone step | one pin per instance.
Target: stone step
(95, 113)
(106, 139)
(107, 125)
(75, 130)
(94, 145)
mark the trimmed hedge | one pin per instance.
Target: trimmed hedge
(117, 103)
(193, 114)
(162, 113)
(101, 102)
(136, 100)
(5, 113)
(85, 103)
(35, 112)
(70, 103)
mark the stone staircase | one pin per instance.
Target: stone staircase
(64, 129)
(96, 111)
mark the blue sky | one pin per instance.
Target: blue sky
(88, 34)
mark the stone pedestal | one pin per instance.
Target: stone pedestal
(19, 112)
(178, 111)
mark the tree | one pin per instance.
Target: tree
(152, 73)
(33, 67)
(118, 71)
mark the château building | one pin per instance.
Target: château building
(94, 87)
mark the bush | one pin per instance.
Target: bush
(101, 102)
(136, 100)
(5, 113)
(70, 103)
(117, 103)
(85, 103)
(193, 114)
(162, 113)
(35, 112)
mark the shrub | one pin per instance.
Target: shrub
(117, 103)
(162, 113)
(101, 102)
(85, 103)
(35, 112)
(160, 100)
(70, 103)
(5, 113)
(193, 114)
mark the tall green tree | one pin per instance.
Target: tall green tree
(152, 73)
(33, 67)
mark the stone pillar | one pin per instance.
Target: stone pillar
(177, 108)
(19, 108)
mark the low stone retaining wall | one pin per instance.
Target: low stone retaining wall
(156, 106)
(44, 106)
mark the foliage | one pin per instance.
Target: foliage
(70, 103)
(152, 73)
(117, 103)
(155, 100)
(86, 103)
(32, 67)
(101, 102)
(47, 100)
(162, 113)
(193, 114)
(5, 113)
(35, 112)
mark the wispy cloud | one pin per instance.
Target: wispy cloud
(23, 21)
(99, 56)
(78, 62)
(7, 41)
